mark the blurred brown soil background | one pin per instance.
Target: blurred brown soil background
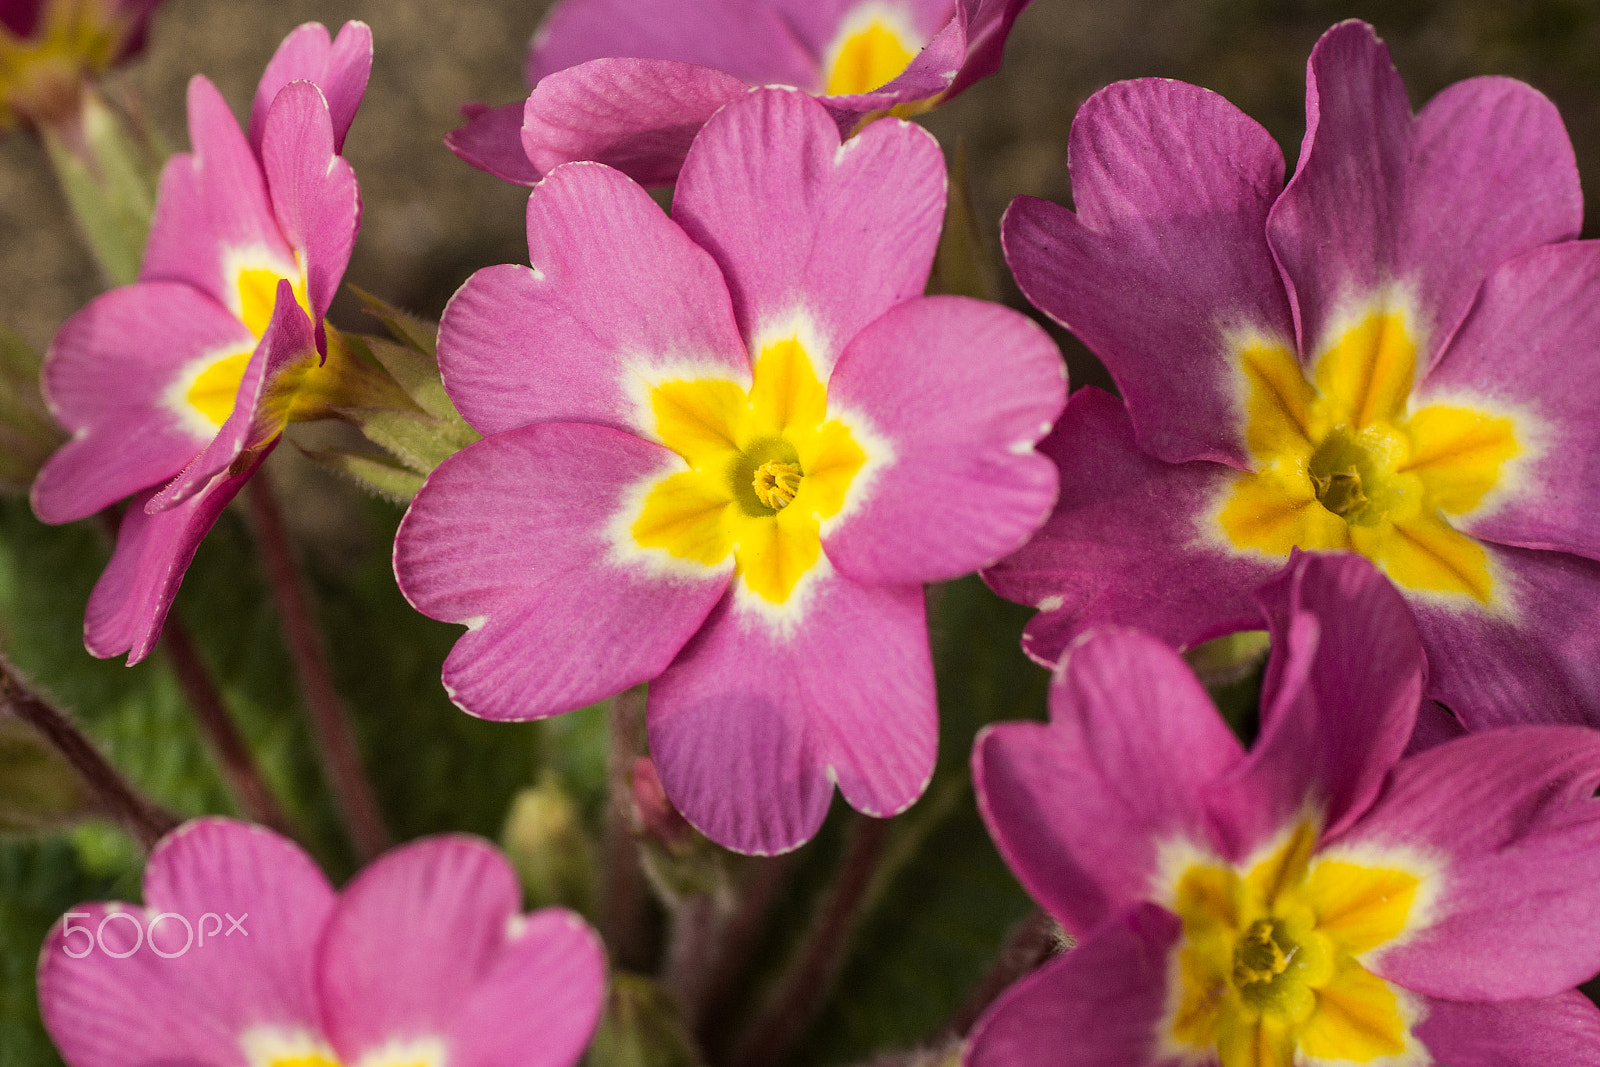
(431, 220)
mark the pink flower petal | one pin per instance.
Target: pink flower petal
(1165, 265)
(1338, 705)
(410, 940)
(213, 204)
(1380, 199)
(756, 720)
(812, 237)
(1100, 1005)
(1080, 807)
(130, 437)
(313, 190)
(1124, 545)
(512, 536)
(1514, 353)
(987, 24)
(749, 39)
(1563, 1029)
(616, 290)
(540, 1001)
(165, 1002)
(637, 115)
(1509, 817)
(491, 140)
(255, 419)
(817, 22)
(339, 68)
(963, 390)
(131, 599)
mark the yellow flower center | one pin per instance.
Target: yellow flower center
(766, 467)
(1342, 462)
(869, 53)
(1270, 963)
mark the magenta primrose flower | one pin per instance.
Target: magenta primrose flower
(629, 82)
(177, 387)
(1390, 356)
(1320, 899)
(724, 452)
(244, 956)
(49, 47)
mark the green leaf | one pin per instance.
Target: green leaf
(375, 474)
(641, 1028)
(417, 333)
(420, 441)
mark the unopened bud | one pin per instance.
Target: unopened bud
(549, 846)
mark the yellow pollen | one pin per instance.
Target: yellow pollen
(867, 59)
(1259, 957)
(776, 484)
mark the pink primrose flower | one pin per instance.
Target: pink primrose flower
(1392, 355)
(244, 956)
(1321, 898)
(724, 452)
(48, 48)
(629, 82)
(176, 388)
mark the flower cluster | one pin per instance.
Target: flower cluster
(717, 453)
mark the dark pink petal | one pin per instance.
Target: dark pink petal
(637, 115)
(924, 81)
(987, 24)
(107, 380)
(1338, 705)
(1165, 267)
(813, 237)
(1563, 1030)
(1477, 148)
(1124, 545)
(1100, 1005)
(131, 599)
(757, 719)
(194, 987)
(1521, 351)
(1380, 200)
(748, 39)
(212, 203)
(410, 941)
(513, 537)
(1510, 821)
(492, 141)
(339, 68)
(540, 1002)
(818, 23)
(288, 343)
(1532, 661)
(313, 189)
(962, 390)
(1080, 808)
(21, 17)
(616, 292)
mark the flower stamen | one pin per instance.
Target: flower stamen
(776, 484)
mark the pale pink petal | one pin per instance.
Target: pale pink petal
(1510, 822)
(313, 190)
(339, 68)
(132, 436)
(756, 720)
(213, 205)
(540, 1001)
(1080, 807)
(411, 937)
(637, 115)
(962, 390)
(815, 239)
(242, 910)
(616, 293)
(132, 597)
(513, 536)
(492, 141)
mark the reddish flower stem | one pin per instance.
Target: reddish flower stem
(330, 718)
(147, 821)
(1033, 941)
(228, 746)
(771, 1038)
(624, 900)
(740, 937)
